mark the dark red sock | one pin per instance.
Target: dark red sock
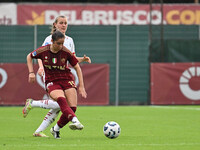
(63, 120)
(74, 109)
(65, 109)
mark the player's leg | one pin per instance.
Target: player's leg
(63, 120)
(71, 95)
(59, 96)
(48, 119)
(46, 104)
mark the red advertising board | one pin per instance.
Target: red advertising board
(112, 14)
(175, 83)
(15, 89)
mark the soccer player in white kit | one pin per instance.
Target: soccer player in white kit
(59, 24)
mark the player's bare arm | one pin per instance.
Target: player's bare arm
(83, 59)
(81, 83)
(41, 68)
(31, 78)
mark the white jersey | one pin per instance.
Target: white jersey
(69, 43)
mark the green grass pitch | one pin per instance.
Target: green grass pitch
(142, 128)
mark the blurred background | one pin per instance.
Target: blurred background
(150, 47)
(107, 1)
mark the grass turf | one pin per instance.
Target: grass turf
(142, 128)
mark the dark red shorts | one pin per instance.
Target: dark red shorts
(60, 85)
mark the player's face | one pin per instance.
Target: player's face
(61, 25)
(57, 45)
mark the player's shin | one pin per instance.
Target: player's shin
(65, 109)
(48, 119)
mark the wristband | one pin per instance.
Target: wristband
(31, 72)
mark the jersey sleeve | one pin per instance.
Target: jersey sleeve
(35, 54)
(38, 52)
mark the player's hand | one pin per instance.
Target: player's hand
(31, 78)
(86, 59)
(82, 92)
(40, 71)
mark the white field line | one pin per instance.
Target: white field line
(174, 107)
(94, 145)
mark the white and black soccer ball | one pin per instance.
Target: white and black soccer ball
(111, 129)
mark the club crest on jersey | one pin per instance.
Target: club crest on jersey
(63, 60)
(34, 53)
(54, 60)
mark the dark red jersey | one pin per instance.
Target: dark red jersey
(55, 64)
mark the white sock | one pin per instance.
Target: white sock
(56, 127)
(48, 119)
(50, 104)
(37, 103)
(47, 104)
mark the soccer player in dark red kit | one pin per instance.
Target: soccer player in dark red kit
(59, 80)
(61, 24)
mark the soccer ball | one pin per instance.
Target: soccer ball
(111, 129)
